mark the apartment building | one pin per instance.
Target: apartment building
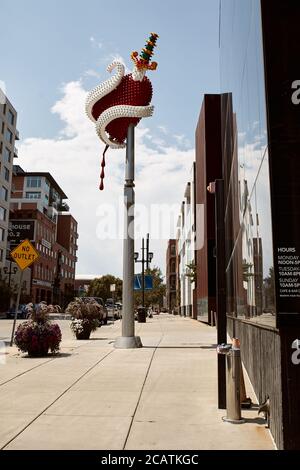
(38, 203)
(186, 238)
(8, 137)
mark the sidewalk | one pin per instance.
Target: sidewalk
(92, 396)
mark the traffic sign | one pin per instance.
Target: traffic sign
(138, 282)
(24, 254)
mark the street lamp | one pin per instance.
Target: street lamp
(145, 260)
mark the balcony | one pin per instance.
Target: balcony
(63, 207)
(17, 135)
(16, 152)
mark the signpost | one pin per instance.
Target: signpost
(24, 255)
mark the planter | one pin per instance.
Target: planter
(39, 351)
(85, 334)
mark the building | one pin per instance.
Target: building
(66, 247)
(38, 212)
(83, 281)
(186, 236)
(208, 169)
(260, 132)
(8, 151)
(171, 277)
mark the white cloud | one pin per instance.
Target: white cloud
(163, 129)
(73, 158)
(95, 43)
(181, 140)
(92, 73)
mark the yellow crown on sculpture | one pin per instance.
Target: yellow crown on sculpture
(143, 61)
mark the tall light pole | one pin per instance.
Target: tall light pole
(128, 339)
(116, 106)
(146, 260)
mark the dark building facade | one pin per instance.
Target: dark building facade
(260, 137)
(208, 169)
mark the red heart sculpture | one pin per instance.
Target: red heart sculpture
(129, 92)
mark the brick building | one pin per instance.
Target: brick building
(37, 201)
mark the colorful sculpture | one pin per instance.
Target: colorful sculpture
(122, 100)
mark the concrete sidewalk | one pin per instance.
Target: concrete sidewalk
(92, 396)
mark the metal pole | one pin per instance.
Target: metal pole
(128, 340)
(9, 273)
(233, 400)
(147, 252)
(17, 308)
(221, 289)
(143, 272)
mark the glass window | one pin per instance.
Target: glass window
(2, 213)
(6, 173)
(1, 234)
(34, 182)
(9, 136)
(4, 193)
(1, 254)
(33, 195)
(11, 118)
(249, 251)
(7, 155)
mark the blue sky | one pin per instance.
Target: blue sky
(48, 43)
(48, 46)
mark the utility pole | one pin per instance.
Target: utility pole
(146, 260)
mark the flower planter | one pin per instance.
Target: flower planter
(85, 334)
(39, 351)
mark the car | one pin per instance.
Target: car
(100, 301)
(22, 312)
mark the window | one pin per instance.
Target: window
(8, 136)
(2, 213)
(7, 155)
(6, 173)
(11, 118)
(1, 255)
(1, 234)
(33, 182)
(33, 195)
(4, 193)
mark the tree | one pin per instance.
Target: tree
(191, 271)
(100, 287)
(156, 295)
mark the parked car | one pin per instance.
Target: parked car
(118, 310)
(22, 312)
(100, 302)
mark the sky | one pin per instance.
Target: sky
(53, 53)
